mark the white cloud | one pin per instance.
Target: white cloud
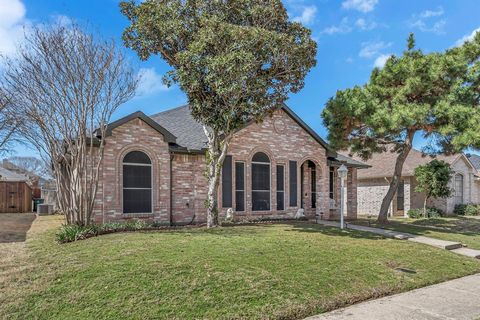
(432, 13)
(150, 82)
(343, 27)
(371, 49)
(360, 5)
(362, 24)
(307, 15)
(12, 20)
(381, 60)
(425, 21)
(468, 37)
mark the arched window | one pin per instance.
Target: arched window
(137, 183)
(260, 182)
(458, 188)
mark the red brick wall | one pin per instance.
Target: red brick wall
(135, 135)
(279, 136)
(282, 139)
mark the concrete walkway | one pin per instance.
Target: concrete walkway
(456, 247)
(456, 299)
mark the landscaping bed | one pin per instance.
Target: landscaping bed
(268, 271)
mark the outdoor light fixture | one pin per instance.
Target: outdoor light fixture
(342, 173)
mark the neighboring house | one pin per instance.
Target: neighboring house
(374, 182)
(153, 168)
(15, 192)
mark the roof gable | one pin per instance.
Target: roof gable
(168, 136)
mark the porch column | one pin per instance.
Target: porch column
(351, 194)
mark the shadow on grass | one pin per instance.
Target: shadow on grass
(450, 225)
(333, 231)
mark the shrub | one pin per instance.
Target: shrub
(418, 213)
(73, 232)
(467, 210)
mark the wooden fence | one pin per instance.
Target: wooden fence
(15, 197)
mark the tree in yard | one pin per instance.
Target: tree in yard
(436, 95)
(65, 84)
(8, 123)
(236, 61)
(433, 179)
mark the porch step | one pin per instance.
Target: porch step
(468, 252)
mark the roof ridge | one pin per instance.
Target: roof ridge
(169, 110)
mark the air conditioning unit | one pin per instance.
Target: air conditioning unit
(45, 209)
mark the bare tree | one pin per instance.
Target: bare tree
(66, 84)
(8, 123)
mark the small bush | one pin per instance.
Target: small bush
(418, 213)
(70, 233)
(467, 210)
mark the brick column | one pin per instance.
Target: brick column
(351, 194)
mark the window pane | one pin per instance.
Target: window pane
(239, 176)
(260, 200)
(137, 201)
(280, 178)
(293, 183)
(227, 182)
(137, 176)
(332, 183)
(281, 200)
(240, 201)
(260, 176)
(401, 196)
(137, 157)
(260, 157)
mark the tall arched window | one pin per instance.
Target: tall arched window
(260, 182)
(458, 188)
(137, 183)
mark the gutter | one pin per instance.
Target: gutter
(171, 192)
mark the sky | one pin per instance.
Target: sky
(353, 36)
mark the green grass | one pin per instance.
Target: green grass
(460, 229)
(279, 271)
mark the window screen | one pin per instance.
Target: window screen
(239, 186)
(137, 183)
(332, 183)
(293, 183)
(260, 182)
(280, 187)
(401, 196)
(227, 182)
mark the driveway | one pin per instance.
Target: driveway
(455, 299)
(14, 226)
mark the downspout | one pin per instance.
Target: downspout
(171, 192)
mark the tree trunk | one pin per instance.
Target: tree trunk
(425, 207)
(217, 151)
(387, 200)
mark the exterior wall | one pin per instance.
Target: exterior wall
(134, 135)
(282, 139)
(372, 191)
(279, 136)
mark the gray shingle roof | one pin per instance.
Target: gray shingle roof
(475, 160)
(7, 175)
(180, 123)
(190, 134)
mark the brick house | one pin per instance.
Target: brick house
(153, 169)
(373, 184)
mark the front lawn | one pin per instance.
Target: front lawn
(460, 229)
(287, 271)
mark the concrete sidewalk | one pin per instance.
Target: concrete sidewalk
(441, 244)
(456, 299)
